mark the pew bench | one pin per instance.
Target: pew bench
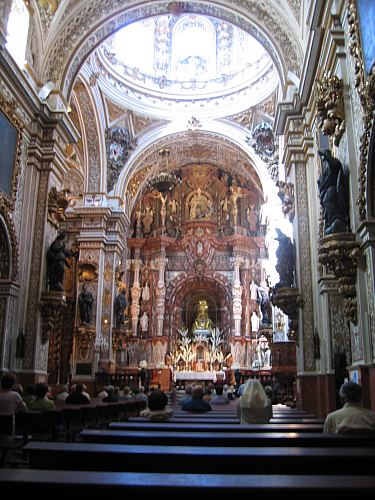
(214, 427)
(176, 438)
(170, 486)
(195, 459)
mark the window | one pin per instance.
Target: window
(18, 27)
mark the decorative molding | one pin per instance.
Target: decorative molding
(36, 266)
(339, 329)
(305, 276)
(366, 90)
(93, 163)
(340, 253)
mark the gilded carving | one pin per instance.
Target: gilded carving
(52, 307)
(84, 341)
(286, 194)
(340, 253)
(330, 107)
(57, 204)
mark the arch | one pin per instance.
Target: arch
(146, 158)
(65, 54)
(8, 247)
(182, 286)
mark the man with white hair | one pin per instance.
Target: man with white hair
(352, 417)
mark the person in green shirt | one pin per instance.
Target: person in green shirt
(41, 401)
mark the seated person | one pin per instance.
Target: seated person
(254, 407)
(207, 393)
(352, 417)
(188, 394)
(41, 401)
(197, 403)
(126, 394)
(111, 397)
(10, 401)
(139, 395)
(218, 398)
(77, 397)
(62, 393)
(156, 408)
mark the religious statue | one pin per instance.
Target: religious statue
(255, 322)
(144, 322)
(265, 306)
(252, 218)
(120, 305)
(334, 194)
(163, 209)
(173, 203)
(85, 301)
(285, 260)
(236, 193)
(146, 292)
(20, 346)
(202, 321)
(253, 290)
(224, 205)
(148, 218)
(56, 262)
(200, 206)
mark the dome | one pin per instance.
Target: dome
(185, 64)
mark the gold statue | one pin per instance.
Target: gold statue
(202, 321)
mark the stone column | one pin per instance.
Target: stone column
(237, 296)
(135, 292)
(161, 263)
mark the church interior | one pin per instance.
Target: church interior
(188, 188)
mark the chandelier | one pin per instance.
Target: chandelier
(164, 181)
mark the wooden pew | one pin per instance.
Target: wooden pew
(170, 486)
(216, 420)
(195, 459)
(157, 437)
(215, 427)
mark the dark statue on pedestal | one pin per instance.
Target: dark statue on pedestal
(85, 301)
(334, 194)
(120, 305)
(285, 260)
(56, 262)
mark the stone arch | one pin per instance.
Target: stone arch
(183, 285)
(142, 166)
(8, 248)
(66, 52)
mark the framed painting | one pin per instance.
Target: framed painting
(8, 146)
(366, 19)
(10, 150)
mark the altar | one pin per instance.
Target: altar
(199, 376)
